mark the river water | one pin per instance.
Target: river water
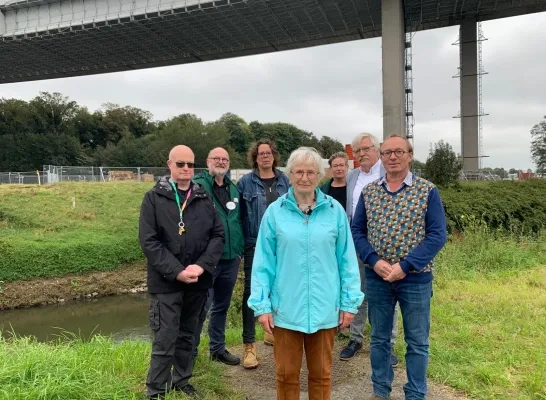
(122, 317)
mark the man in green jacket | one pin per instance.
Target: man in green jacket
(227, 201)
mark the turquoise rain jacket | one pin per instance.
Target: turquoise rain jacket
(305, 268)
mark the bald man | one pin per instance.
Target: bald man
(226, 197)
(182, 237)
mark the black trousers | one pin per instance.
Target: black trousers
(174, 318)
(249, 321)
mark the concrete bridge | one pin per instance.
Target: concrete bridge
(45, 39)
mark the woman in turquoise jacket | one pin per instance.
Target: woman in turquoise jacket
(305, 279)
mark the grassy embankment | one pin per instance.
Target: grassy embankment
(489, 309)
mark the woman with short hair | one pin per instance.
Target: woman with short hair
(305, 279)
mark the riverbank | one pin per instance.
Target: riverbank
(130, 278)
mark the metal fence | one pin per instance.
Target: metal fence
(56, 173)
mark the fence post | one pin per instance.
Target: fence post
(138, 169)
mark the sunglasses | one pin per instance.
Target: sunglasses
(182, 164)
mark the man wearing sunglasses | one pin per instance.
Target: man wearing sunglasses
(182, 237)
(226, 198)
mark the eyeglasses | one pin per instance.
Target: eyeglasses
(219, 159)
(182, 164)
(398, 153)
(339, 165)
(310, 174)
(265, 154)
(363, 150)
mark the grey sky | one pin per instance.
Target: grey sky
(336, 90)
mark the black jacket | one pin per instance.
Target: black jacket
(168, 253)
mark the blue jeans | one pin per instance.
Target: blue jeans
(414, 301)
(218, 302)
(359, 321)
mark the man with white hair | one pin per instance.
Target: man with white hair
(366, 151)
(226, 198)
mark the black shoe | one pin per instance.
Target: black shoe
(350, 350)
(188, 390)
(225, 357)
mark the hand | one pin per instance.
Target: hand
(195, 269)
(267, 322)
(382, 268)
(396, 274)
(345, 319)
(187, 276)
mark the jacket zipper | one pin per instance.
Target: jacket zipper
(308, 278)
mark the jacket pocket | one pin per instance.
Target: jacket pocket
(153, 315)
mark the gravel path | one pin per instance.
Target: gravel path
(351, 379)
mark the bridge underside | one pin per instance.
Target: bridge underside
(126, 39)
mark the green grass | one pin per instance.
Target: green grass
(95, 369)
(43, 235)
(488, 335)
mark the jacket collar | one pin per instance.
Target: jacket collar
(207, 176)
(322, 199)
(163, 187)
(256, 175)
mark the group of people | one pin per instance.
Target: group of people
(316, 261)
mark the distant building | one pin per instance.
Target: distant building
(525, 176)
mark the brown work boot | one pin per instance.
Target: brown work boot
(250, 360)
(269, 339)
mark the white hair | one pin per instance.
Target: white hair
(358, 139)
(306, 155)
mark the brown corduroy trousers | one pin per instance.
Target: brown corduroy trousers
(288, 351)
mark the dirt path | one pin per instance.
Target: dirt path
(131, 278)
(351, 379)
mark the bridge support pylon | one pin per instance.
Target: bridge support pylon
(393, 51)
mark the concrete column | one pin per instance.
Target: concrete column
(470, 141)
(393, 48)
(2, 24)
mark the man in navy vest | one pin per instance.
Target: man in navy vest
(399, 226)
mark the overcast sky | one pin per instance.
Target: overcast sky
(336, 90)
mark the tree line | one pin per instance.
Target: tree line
(52, 129)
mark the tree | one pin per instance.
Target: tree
(53, 113)
(116, 120)
(538, 146)
(513, 171)
(442, 166)
(417, 167)
(330, 146)
(501, 172)
(238, 130)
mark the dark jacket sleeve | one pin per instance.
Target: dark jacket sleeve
(210, 257)
(159, 257)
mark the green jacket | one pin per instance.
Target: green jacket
(233, 228)
(327, 186)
